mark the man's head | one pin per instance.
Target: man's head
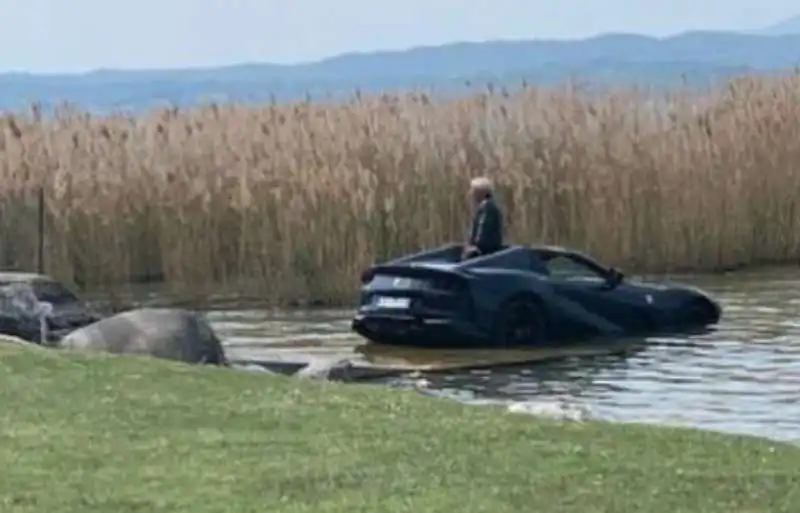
(480, 188)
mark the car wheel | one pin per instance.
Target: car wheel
(521, 323)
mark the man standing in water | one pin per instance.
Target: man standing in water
(486, 235)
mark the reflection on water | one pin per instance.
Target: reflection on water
(744, 377)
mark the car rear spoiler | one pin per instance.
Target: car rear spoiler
(407, 271)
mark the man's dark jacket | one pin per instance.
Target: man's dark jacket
(487, 227)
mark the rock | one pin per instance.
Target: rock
(561, 410)
(10, 339)
(334, 370)
(168, 333)
(251, 367)
(22, 314)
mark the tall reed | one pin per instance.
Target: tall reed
(291, 202)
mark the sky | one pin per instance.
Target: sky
(55, 36)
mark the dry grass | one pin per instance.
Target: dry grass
(292, 201)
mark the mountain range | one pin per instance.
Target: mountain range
(698, 57)
(785, 27)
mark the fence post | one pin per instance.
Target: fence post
(40, 249)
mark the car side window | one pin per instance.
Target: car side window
(564, 268)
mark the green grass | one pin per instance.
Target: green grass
(115, 435)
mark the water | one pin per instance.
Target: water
(742, 378)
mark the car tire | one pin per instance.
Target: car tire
(521, 322)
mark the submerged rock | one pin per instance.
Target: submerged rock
(251, 367)
(169, 333)
(333, 370)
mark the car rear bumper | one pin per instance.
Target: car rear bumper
(415, 331)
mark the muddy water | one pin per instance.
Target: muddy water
(744, 377)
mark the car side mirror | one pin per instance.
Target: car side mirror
(614, 278)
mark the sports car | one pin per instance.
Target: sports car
(520, 296)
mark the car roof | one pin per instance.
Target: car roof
(552, 249)
(530, 257)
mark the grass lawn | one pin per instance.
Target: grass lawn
(116, 435)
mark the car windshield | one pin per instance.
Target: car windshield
(564, 267)
(53, 292)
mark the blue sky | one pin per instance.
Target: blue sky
(79, 35)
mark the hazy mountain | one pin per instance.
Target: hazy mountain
(789, 26)
(696, 57)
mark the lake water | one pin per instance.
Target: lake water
(744, 377)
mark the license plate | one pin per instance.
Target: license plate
(393, 302)
(402, 283)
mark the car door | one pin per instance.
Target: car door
(623, 305)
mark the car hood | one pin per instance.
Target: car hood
(690, 290)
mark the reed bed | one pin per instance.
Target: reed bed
(291, 202)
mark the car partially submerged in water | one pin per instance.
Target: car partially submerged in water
(28, 299)
(520, 296)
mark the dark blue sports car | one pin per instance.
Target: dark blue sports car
(519, 296)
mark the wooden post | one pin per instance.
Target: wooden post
(40, 256)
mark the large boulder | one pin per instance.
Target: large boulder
(169, 333)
